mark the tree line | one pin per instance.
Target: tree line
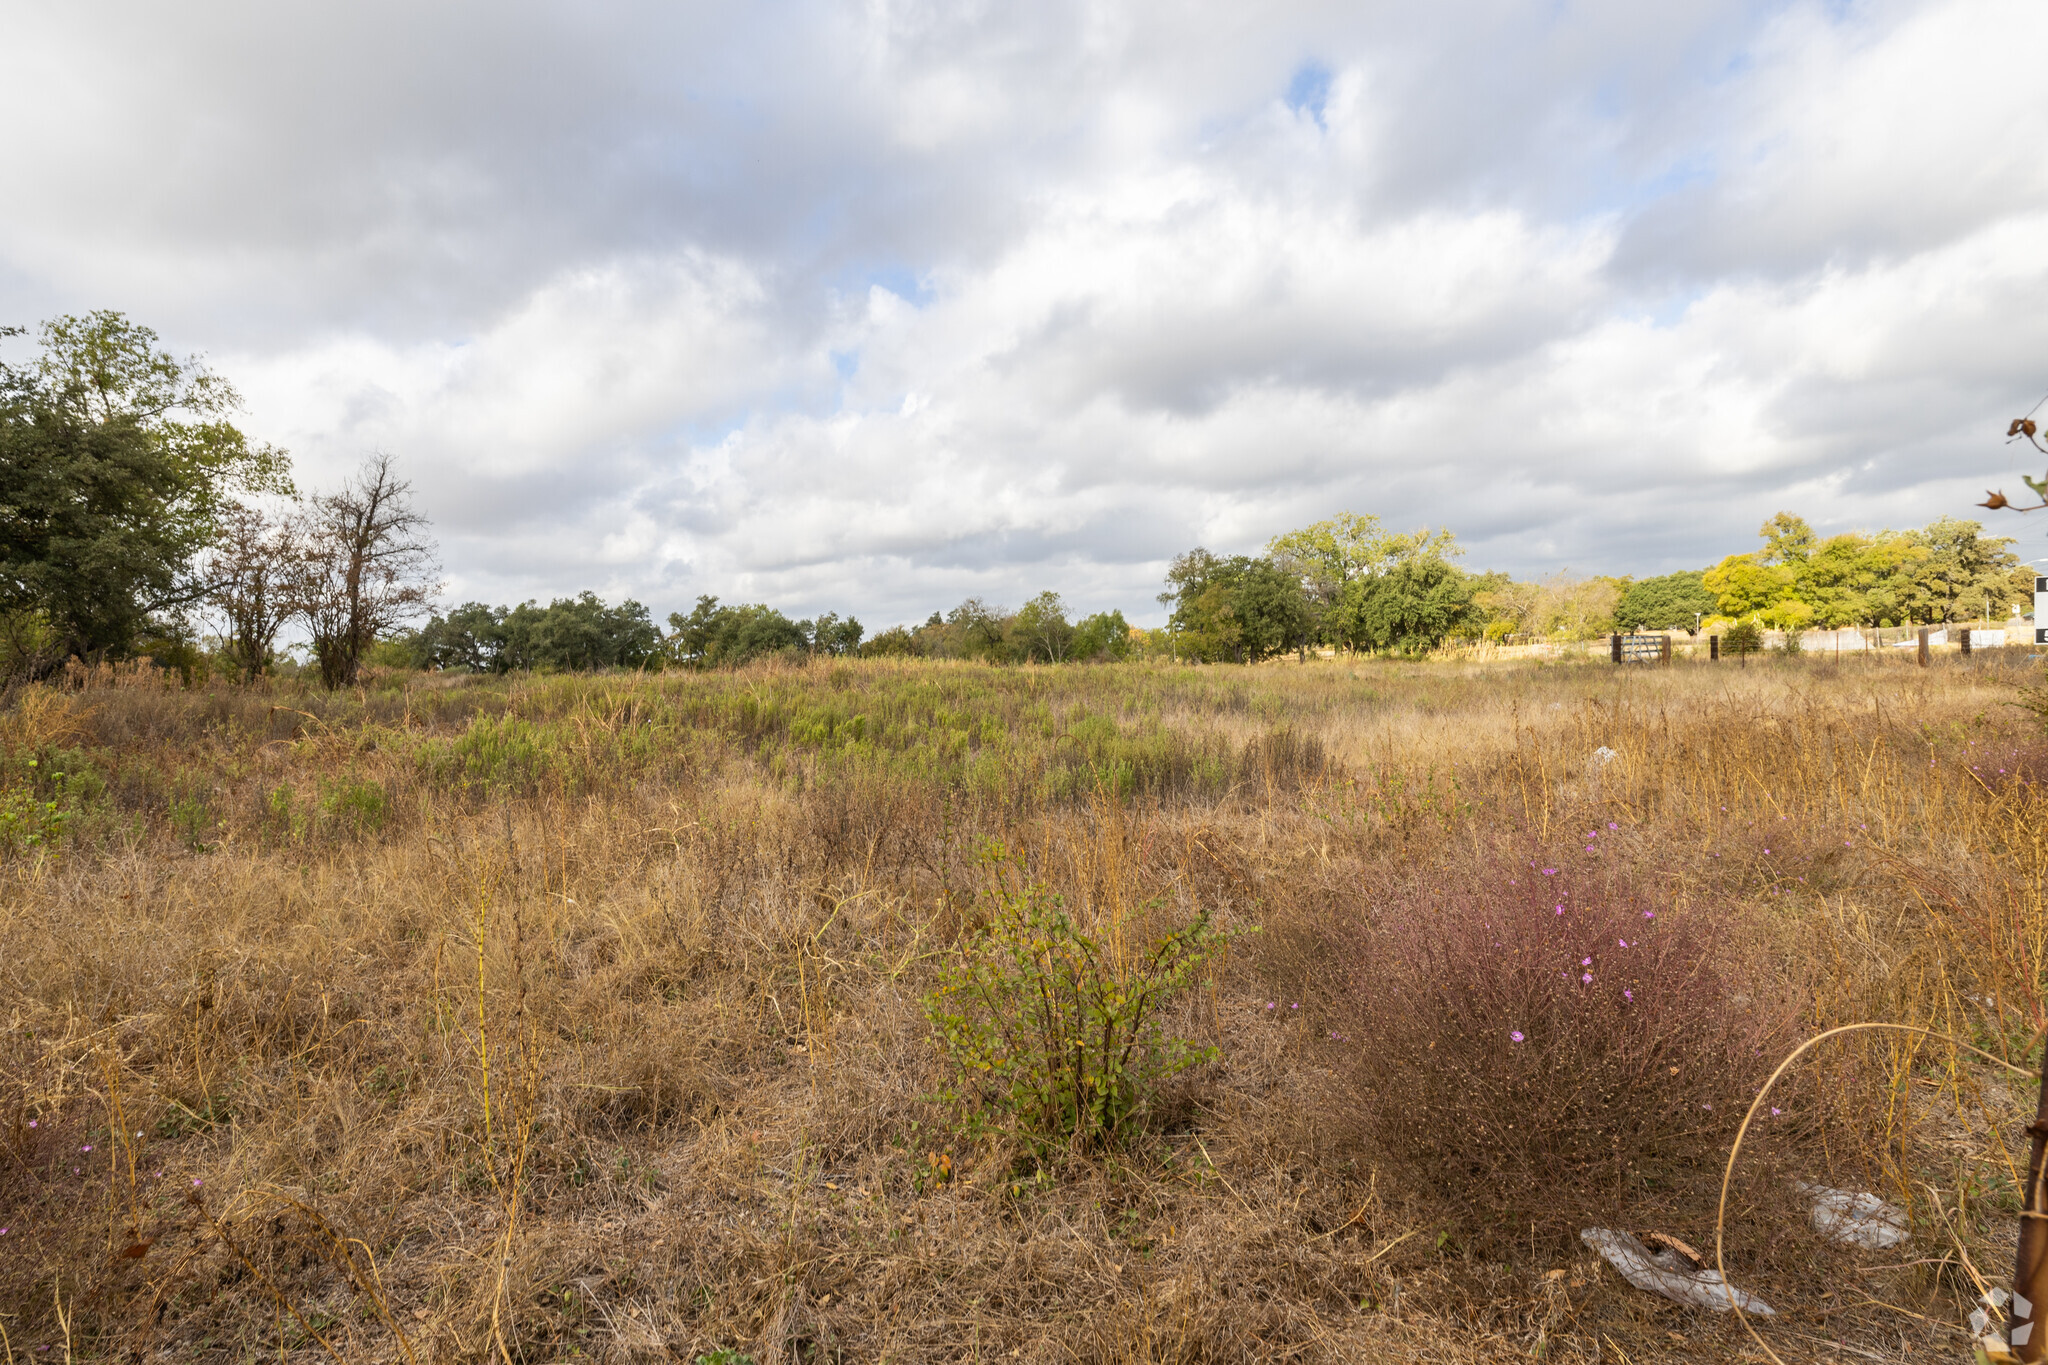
(1349, 583)
(135, 517)
(1345, 584)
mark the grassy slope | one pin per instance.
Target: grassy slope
(580, 1016)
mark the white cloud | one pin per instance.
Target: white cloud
(876, 306)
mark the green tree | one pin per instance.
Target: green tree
(1744, 585)
(1240, 608)
(830, 635)
(1328, 555)
(1787, 539)
(1105, 636)
(469, 639)
(1410, 608)
(1673, 601)
(117, 465)
(569, 635)
(1040, 629)
(712, 636)
(896, 642)
(1349, 548)
(1963, 570)
(978, 630)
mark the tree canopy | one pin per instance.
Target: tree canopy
(118, 463)
(1672, 601)
(1947, 570)
(569, 634)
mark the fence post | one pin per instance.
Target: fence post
(1923, 646)
(1713, 649)
(1966, 639)
(1614, 646)
(1664, 650)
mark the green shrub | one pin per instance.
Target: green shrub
(1742, 638)
(192, 821)
(26, 820)
(354, 807)
(1044, 1027)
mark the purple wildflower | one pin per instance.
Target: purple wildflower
(1515, 1037)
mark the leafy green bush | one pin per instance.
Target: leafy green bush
(1043, 1024)
(354, 807)
(27, 821)
(1742, 638)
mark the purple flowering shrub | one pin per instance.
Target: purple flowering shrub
(1548, 1044)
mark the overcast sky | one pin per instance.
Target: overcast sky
(873, 307)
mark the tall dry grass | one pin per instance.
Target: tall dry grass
(453, 1019)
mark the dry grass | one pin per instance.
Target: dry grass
(454, 1019)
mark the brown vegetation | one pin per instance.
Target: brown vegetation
(447, 1018)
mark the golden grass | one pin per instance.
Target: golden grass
(455, 1019)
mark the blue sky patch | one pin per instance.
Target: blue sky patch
(1308, 91)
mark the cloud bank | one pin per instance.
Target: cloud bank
(877, 306)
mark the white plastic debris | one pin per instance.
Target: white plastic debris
(1669, 1273)
(1603, 756)
(1988, 1326)
(1855, 1219)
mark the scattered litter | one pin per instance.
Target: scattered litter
(1670, 1272)
(1853, 1218)
(1603, 756)
(1988, 1327)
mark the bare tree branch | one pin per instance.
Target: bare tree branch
(364, 565)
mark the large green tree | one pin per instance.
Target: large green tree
(118, 463)
(1409, 608)
(1672, 601)
(712, 636)
(1963, 571)
(1237, 608)
(1040, 630)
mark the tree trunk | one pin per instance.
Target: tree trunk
(2030, 1272)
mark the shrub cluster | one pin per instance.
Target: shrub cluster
(1543, 1045)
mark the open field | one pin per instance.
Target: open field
(582, 1017)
